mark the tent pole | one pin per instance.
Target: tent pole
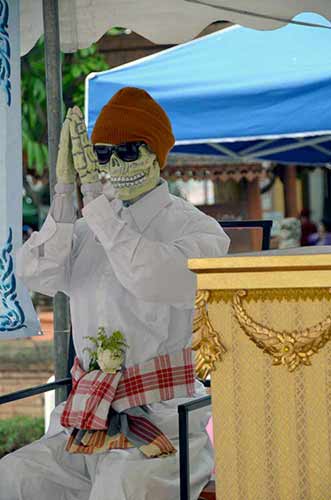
(54, 123)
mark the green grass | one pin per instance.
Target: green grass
(18, 431)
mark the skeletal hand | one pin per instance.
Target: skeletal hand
(65, 172)
(84, 159)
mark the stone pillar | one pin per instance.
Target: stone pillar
(254, 211)
(17, 316)
(290, 191)
(254, 206)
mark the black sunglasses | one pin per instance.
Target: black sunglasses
(128, 151)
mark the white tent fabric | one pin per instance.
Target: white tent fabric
(83, 22)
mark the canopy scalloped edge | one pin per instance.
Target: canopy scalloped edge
(82, 23)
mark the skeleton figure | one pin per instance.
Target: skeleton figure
(124, 267)
(132, 169)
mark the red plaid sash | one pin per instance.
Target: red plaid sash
(131, 428)
(164, 377)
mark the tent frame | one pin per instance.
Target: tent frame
(258, 152)
(54, 124)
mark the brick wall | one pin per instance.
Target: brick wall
(11, 381)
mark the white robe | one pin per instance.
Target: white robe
(124, 269)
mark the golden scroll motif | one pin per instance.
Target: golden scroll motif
(287, 348)
(206, 342)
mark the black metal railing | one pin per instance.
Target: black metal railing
(32, 391)
(265, 225)
(50, 386)
(184, 451)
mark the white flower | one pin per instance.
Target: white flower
(110, 362)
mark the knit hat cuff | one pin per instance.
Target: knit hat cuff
(133, 124)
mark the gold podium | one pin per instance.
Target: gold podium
(263, 330)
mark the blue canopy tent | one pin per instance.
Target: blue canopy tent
(240, 94)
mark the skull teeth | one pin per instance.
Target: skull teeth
(127, 181)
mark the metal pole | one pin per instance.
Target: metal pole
(54, 123)
(184, 464)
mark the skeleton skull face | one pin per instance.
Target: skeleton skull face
(130, 178)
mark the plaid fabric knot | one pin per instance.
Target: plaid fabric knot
(131, 428)
(98, 400)
(164, 377)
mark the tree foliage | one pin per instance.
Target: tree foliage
(75, 68)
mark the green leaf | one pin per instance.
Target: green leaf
(39, 158)
(30, 154)
(75, 67)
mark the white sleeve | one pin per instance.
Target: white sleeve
(152, 270)
(62, 207)
(91, 191)
(43, 262)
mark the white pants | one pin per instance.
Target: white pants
(44, 471)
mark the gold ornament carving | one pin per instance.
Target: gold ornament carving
(272, 294)
(290, 349)
(206, 342)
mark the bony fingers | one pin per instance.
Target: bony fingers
(69, 113)
(76, 147)
(79, 127)
(75, 137)
(79, 162)
(91, 165)
(79, 124)
(84, 138)
(85, 161)
(66, 125)
(64, 137)
(79, 153)
(77, 112)
(81, 143)
(66, 122)
(91, 156)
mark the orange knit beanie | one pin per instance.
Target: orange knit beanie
(133, 115)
